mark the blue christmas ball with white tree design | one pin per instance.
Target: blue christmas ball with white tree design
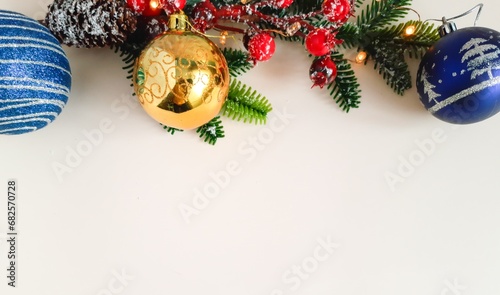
(458, 80)
(35, 76)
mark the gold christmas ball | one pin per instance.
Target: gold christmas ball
(181, 78)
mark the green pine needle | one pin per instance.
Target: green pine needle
(128, 59)
(345, 89)
(237, 60)
(359, 3)
(304, 6)
(382, 13)
(387, 44)
(211, 131)
(390, 61)
(415, 46)
(244, 103)
(350, 34)
(171, 130)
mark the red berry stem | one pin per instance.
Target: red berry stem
(237, 13)
(283, 23)
(301, 17)
(249, 13)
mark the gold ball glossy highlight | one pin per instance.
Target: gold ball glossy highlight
(181, 79)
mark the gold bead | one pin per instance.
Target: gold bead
(181, 79)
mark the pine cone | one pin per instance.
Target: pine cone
(91, 23)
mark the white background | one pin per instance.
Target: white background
(321, 177)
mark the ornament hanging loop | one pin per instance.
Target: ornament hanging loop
(448, 26)
(479, 8)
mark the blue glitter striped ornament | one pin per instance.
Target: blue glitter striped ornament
(459, 77)
(35, 76)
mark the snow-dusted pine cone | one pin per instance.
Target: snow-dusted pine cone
(91, 23)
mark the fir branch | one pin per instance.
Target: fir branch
(238, 61)
(390, 61)
(416, 45)
(345, 90)
(350, 34)
(134, 49)
(382, 13)
(304, 6)
(171, 130)
(128, 59)
(211, 131)
(359, 3)
(245, 104)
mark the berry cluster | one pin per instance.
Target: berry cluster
(263, 22)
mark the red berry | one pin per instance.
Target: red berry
(179, 3)
(323, 71)
(337, 11)
(173, 6)
(320, 41)
(261, 47)
(203, 16)
(280, 3)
